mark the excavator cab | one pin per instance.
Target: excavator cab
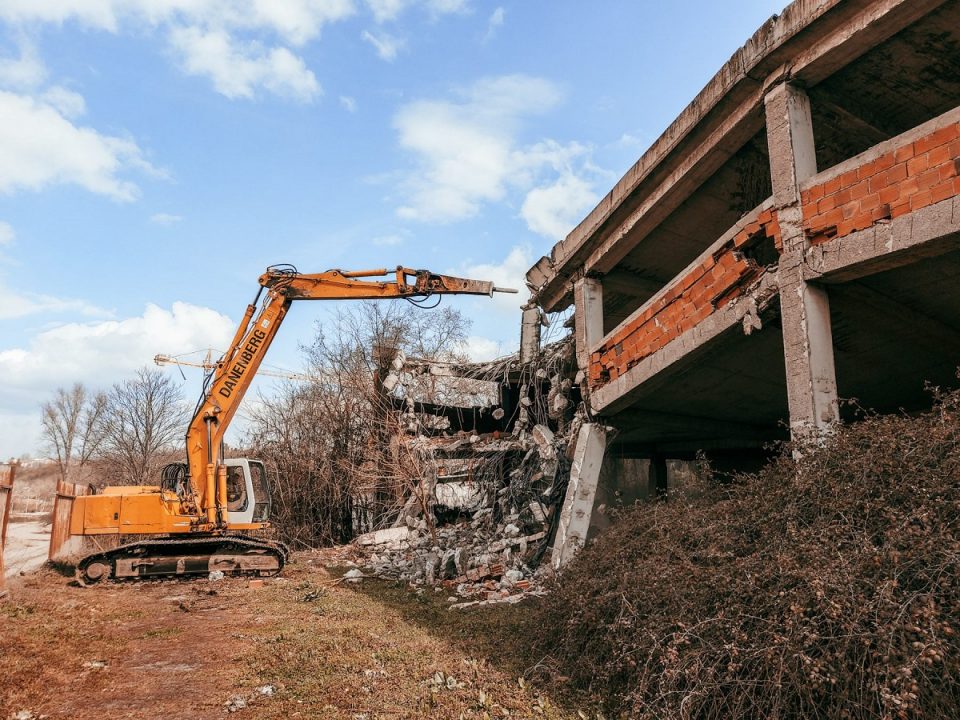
(248, 491)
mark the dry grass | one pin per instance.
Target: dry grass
(172, 650)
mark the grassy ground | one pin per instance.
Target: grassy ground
(187, 649)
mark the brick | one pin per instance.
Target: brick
(843, 197)
(816, 192)
(848, 178)
(883, 162)
(881, 212)
(889, 194)
(904, 153)
(901, 207)
(827, 204)
(942, 191)
(866, 170)
(845, 228)
(765, 217)
(849, 210)
(870, 201)
(897, 173)
(831, 186)
(939, 155)
(940, 137)
(908, 187)
(877, 182)
(920, 199)
(928, 179)
(860, 190)
(918, 164)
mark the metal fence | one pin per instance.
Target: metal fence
(7, 474)
(67, 493)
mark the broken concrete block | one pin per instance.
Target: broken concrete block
(382, 537)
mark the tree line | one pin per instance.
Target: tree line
(329, 444)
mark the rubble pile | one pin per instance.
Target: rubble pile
(491, 551)
(484, 448)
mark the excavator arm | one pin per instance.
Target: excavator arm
(231, 378)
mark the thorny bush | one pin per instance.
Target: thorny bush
(820, 588)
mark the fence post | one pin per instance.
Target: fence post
(8, 472)
(62, 508)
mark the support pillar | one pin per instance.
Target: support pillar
(529, 333)
(581, 493)
(588, 319)
(658, 477)
(804, 307)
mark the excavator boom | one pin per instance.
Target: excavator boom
(202, 507)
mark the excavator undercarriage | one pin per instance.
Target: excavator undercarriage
(176, 557)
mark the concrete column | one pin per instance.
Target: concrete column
(529, 333)
(581, 493)
(659, 485)
(805, 308)
(588, 318)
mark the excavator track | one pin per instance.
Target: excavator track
(184, 557)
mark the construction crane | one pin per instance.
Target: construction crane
(209, 364)
(205, 513)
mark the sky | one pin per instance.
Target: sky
(157, 155)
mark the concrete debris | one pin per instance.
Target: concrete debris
(488, 481)
(215, 575)
(266, 690)
(354, 576)
(235, 704)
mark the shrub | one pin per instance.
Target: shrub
(820, 588)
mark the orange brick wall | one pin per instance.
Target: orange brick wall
(717, 280)
(905, 179)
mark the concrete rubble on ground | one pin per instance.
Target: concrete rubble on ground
(492, 478)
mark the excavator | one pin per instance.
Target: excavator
(212, 513)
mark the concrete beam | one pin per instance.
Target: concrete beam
(588, 319)
(804, 308)
(928, 232)
(809, 40)
(581, 493)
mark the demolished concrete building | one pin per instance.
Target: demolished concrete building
(791, 240)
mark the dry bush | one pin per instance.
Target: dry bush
(824, 588)
(332, 440)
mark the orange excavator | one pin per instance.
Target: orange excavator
(207, 514)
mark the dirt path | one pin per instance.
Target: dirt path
(300, 646)
(26, 547)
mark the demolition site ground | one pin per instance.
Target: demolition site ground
(305, 645)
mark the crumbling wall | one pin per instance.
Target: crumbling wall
(899, 177)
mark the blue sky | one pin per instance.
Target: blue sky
(156, 155)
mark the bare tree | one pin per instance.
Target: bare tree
(327, 438)
(144, 421)
(73, 427)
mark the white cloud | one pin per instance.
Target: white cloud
(386, 45)
(97, 354)
(553, 210)
(6, 233)
(24, 72)
(348, 103)
(41, 147)
(165, 219)
(481, 349)
(509, 273)
(19, 303)
(238, 70)
(494, 23)
(296, 21)
(385, 10)
(69, 103)
(388, 10)
(468, 155)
